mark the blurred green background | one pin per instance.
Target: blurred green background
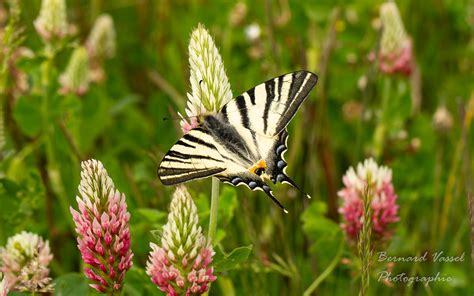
(119, 121)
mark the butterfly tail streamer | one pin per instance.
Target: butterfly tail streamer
(269, 192)
(287, 180)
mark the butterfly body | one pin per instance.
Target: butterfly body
(243, 143)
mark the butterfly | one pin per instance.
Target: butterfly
(244, 142)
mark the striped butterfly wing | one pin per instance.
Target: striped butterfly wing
(268, 108)
(194, 156)
(245, 131)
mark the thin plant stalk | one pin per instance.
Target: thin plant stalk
(214, 210)
(466, 168)
(363, 244)
(380, 131)
(315, 284)
(52, 166)
(471, 224)
(457, 160)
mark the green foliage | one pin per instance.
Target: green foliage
(225, 262)
(72, 284)
(325, 234)
(138, 283)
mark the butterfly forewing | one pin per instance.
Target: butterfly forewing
(194, 156)
(268, 108)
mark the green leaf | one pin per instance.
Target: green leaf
(94, 119)
(151, 215)
(323, 232)
(28, 116)
(143, 224)
(227, 205)
(71, 284)
(226, 208)
(203, 206)
(138, 283)
(225, 262)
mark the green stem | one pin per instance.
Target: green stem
(214, 207)
(52, 168)
(380, 130)
(326, 272)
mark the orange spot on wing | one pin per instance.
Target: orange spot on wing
(260, 164)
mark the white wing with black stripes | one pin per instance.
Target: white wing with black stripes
(243, 143)
(268, 108)
(194, 156)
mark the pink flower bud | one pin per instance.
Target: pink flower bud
(173, 267)
(97, 239)
(396, 54)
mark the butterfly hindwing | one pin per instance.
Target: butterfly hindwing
(268, 108)
(251, 182)
(276, 166)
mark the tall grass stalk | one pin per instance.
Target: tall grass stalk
(467, 166)
(456, 167)
(363, 242)
(471, 224)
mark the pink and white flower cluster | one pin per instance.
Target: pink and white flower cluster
(182, 264)
(396, 53)
(102, 225)
(24, 262)
(384, 199)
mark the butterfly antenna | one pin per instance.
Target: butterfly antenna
(269, 192)
(290, 182)
(201, 95)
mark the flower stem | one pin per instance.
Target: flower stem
(326, 272)
(52, 167)
(214, 207)
(380, 131)
(363, 243)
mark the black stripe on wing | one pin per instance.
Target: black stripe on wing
(177, 176)
(268, 107)
(301, 84)
(270, 90)
(194, 156)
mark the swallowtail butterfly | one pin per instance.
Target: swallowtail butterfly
(243, 143)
